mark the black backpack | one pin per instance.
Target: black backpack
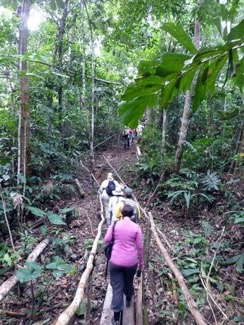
(110, 188)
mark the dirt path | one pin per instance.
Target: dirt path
(74, 241)
(54, 295)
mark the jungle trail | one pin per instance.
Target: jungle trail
(134, 315)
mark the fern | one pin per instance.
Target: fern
(211, 181)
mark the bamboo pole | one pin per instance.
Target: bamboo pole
(190, 302)
(13, 280)
(139, 316)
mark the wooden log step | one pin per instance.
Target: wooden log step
(107, 314)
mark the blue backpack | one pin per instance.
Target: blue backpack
(110, 188)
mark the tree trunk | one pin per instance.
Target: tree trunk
(24, 115)
(183, 132)
(58, 52)
(164, 130)
(187, 107)
(92, 90)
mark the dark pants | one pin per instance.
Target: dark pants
(122, 282)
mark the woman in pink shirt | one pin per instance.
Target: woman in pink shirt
(127, 253)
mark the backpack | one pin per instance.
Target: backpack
(133, 204)
(110, 188)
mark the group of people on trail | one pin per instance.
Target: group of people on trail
(122, 215)
(130, 134)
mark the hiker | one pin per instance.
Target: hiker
(127, 200)
(114, 201)
(126, 138)
(131, 137)
(127, 255)
(106, 191)
(139, 130)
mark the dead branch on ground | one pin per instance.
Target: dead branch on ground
(190, 302)
(67, 315)
(80, 189)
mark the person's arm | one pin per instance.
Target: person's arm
(118, 210)
(139, 246)
(101, 188)
(108, 236)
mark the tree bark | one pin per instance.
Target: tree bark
(187, 106)
(190, 302)
(24, 115)
(11, 282)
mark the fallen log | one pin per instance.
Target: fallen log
(67, 315)
(80, 189)
(13, 280)
(190, 302)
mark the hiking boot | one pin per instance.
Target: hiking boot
(114, 322)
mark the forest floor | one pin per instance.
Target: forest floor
(164, 304)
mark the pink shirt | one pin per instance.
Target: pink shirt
(128, 246)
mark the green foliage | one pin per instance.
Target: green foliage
(190, 189)
(59, 267)
(238, 260)
(30, 272)
(174, 72)
(211, 181)
(7, 257)
(53, 217)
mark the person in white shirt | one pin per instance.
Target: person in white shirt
(139, 129)
(113, 203)
(105, 193)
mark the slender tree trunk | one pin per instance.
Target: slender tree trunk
(92, 90)
(60, 60)
(24, 115)
(83, 98)
(164, 130)
(187, 107)
(58, 53)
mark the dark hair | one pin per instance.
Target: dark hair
(127, 211)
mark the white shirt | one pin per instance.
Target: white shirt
(113, 202)
(102, 189)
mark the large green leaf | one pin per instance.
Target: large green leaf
(236, 32)
(30, 272)
(167, 93)
(239, 74)
(207, 78)
(133, 91)
(147, 68)
(133, 110)
(59, 267)
(55, 219)
(37, 212)
(171, 63)
(179, 33)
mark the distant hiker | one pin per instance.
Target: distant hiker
(131, 136)
(114, 201)
(127, 254)
(139, 130)
(126, 138)
(127, 200)
(106, 191)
